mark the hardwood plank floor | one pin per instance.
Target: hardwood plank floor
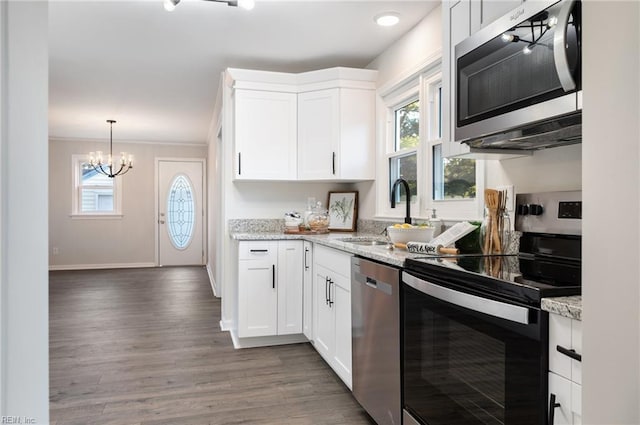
(144, 347)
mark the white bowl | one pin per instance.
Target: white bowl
(413, 234)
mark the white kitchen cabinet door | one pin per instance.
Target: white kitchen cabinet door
(324, 323)
(289, 287)
(561, 388)
(485, 12)
(265, 135)
(456, 26)
(336, 134)
(318, 134)
(257, 292)
(341, 299)
(307, 291)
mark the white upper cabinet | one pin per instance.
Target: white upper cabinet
(265, 135)
(313, 126)
(336, 134)
(460, 19)
(486, 11)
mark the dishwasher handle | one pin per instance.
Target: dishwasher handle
(371, 282)
(510, 312)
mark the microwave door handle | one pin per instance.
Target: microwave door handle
(559, 43)
(510, 312)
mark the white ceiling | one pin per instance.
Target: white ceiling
(157, 72)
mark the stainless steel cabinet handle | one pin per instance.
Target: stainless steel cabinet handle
(239, 164)
(510, 312)
(306, 266)
(559, 43)
(258, 250)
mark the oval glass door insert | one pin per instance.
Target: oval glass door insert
(180, 212)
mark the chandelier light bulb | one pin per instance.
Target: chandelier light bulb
(553, 21)
(528, 49)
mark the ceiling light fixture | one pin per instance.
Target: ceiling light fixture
(387, 19)
(170, 5)
(96, 160)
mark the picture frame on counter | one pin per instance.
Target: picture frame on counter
(343, 211)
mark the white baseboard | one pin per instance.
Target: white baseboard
(101, 266)
(225, 325)
(212, 280)
(265, 341)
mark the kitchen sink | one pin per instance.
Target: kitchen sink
(367, 242)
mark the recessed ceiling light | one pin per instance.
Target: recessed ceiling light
(387, 19)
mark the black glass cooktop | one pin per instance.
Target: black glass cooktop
(521, 278)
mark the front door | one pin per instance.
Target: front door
(180, 212)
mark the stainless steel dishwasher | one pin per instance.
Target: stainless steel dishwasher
(375, 324)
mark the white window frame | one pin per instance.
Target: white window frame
(76, 187)
(452, 209)
(392, 153)
(422, 85)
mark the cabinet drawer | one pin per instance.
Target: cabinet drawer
(257, 250)
(333, 259)
(559, 334)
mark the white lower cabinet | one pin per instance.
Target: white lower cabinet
(565, 370)
(332, 309)
(307, 291)
(270, 288)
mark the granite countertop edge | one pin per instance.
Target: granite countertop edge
(394, 257)
(570, 307)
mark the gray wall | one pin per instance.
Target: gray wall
(24, 345)
(129, 241)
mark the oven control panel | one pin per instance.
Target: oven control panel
(549, 212)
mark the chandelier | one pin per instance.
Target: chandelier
(170, 5)
(96, 160)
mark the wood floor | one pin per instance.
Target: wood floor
(143, 346)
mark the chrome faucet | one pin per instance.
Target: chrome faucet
(407, 191)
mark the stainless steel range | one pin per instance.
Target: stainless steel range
(474, 336)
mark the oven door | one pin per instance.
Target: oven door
(523, 68)
(470, 360)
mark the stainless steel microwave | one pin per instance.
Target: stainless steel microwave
(518, 80)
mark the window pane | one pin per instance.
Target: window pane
(91, 177)
(180, 212)
(453, 178)
(96, 200)
(404, 167)
(407, 126)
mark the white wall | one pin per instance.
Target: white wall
(24, 368)
(611, 243)
(129, 241)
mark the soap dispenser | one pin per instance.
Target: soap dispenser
(435, 222)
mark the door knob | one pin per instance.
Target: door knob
(161, 221)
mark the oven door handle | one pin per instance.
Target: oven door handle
(510, 312)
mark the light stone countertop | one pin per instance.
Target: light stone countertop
(565, 306)
(340, 241)
(570, 307)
